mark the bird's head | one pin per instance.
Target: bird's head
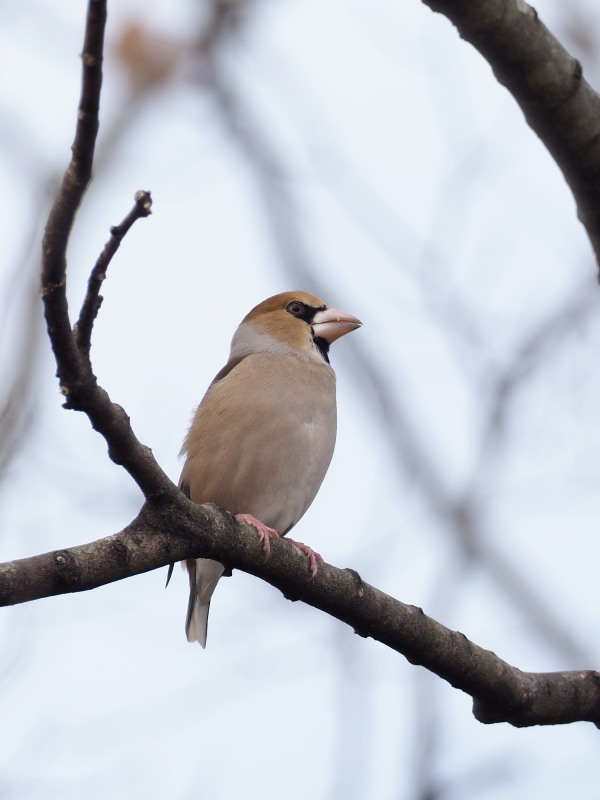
(292, 321)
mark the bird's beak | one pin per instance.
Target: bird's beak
(330, 324)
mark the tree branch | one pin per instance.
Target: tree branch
(64, 209)
(546, 81)
(170, 528)
(93, 299)
(172, 531)
(77, 381)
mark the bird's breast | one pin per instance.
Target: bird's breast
(263, 437)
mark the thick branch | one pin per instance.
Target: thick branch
(546, 81)
(168, 532)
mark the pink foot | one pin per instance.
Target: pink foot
(313, 557)
(265, 533)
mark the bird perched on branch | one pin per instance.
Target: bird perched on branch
(263, 436)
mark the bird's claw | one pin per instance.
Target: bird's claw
(313, 556)
(265, 533)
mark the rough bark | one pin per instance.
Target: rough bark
(168, 531)
(547, 83)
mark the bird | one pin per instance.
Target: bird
(263, 436)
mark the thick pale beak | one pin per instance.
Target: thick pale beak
(330, 324)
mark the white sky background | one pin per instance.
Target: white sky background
(429, 210)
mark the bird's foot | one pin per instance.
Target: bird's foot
(265, 533)
(313, 557)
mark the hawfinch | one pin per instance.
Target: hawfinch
(262, 438)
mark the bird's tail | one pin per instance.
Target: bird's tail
(204, 575)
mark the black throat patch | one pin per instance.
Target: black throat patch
(322, 346)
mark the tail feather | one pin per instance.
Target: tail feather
(204, 575)
(196, 623)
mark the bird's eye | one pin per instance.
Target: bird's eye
(296, 308)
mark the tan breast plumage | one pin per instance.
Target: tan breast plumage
(263, 437)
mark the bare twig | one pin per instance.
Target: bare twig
(93, 300)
